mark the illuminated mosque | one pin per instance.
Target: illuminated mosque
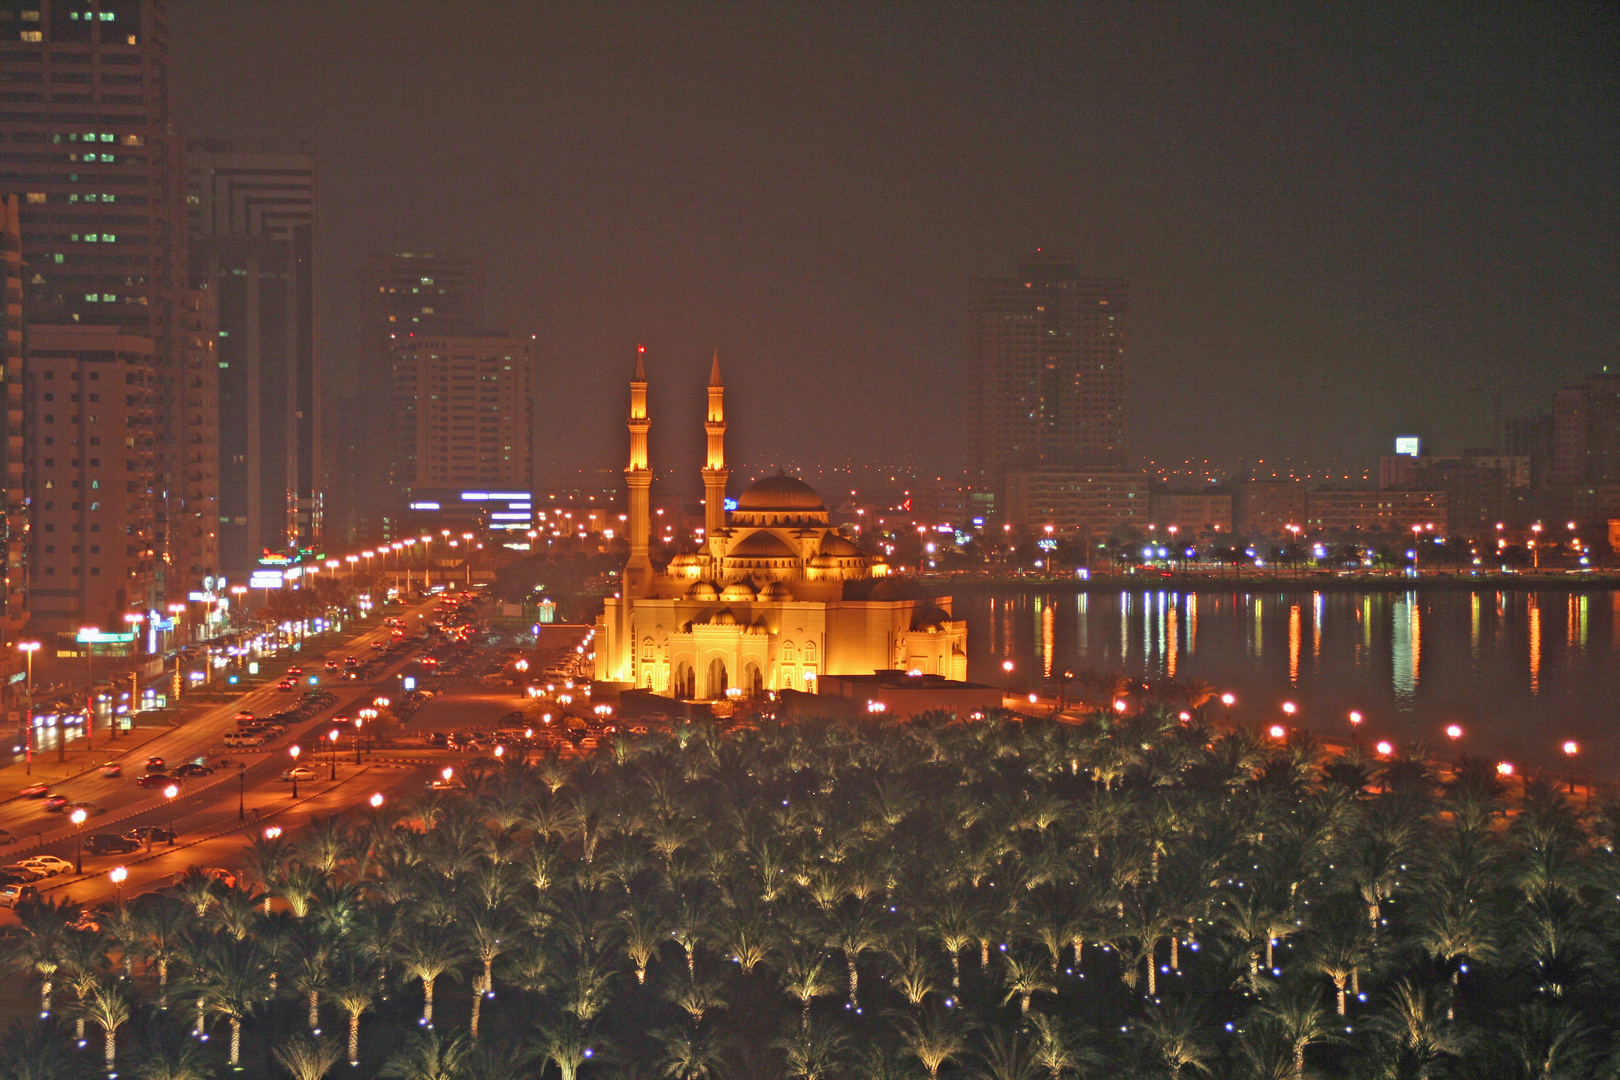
(773, 599)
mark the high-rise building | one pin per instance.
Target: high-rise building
(464, 413)
(13, 515)
(251, 218)
(1047, 354)
(85, 137)
(402, 296)
(1586, 432)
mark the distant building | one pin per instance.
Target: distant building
(1263, 509)
(1586, 432)
(1078, 503)
(1047, 362)
(1193, 513)
(400, 296)
(252, 221)
(463, 412)
(14, 513)
(1375, 511)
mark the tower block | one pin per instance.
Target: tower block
(638, 570)
(715, 473)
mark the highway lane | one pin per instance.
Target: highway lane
(200, 736)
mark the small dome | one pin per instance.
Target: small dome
(737, 591)
(762, 545)
(776, 591)
(824, 562)
(837, 546)
(724, 617)
(703, 590)
(683, 560)
(782, 494)
(931, 619)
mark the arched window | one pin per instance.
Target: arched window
(787, 652)
(647, 649)
(809, 652)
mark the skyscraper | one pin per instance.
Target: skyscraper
(251, 218)
(85, 137)
(13, 515)
(1047, 371)
(401, 296)
(464, 413)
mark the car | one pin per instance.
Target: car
(192, 768)
(156, 780)
(53, 803)
(298, 772)
(49, 865)
(20, 873)
(240, 740)
(331, 665)
(287, 684)
(112, 768)
(295, 671)
(35, 791)
(6, 838)
(110, 844)
(13, 894)
(149, 834)
(90, 809)
(154, 764)
(219, 874)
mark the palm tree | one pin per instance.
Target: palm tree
(932, 1041)
(488, 936)
(1296, 1011)
(1006, 1056)
(161, 920)
(805, 977)
(173, 1058)
(45, 922)
(108, 1007)
(854, 929)
(231, 975)
(426, 954)
(38, 1052)
(685, 1055)
(812, 1053)
(307, 1059)
(566, 1046)
(915, 974)
(427, 1057)
(1025, 977)
(1417, 1042)
(1171, 1035)
(353, 989)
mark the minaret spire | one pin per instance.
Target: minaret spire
(715, 473)
(638, 481)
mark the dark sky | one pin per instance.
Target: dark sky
(1339, 221)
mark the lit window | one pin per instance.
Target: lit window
(108, 238)
(32, 35)
(36, 196)
(106, 136)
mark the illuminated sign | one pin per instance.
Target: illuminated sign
(1406, 445)
(731, 504)
(265, 579)
(274, 558)
(96, 637)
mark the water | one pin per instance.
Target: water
(1520, 671)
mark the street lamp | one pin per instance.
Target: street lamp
(118, 875)
(169, 793)
(376, 800)
(1571, 748)
(1228, 699)
(1355, 726)
(1290, 708)
(29, 648)
(1454, 732)
(1535, 548)
(1385, 748)
(241, 791)
(359, 720)
(332, 737)
(77, 817)
(1007, 668)
(295, 751)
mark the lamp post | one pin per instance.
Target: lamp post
(1355, 726)
(1571, 748)
(241, 791)
(170, 793)
(360, 718)
(332, 737)
(77, 817)
(295, 751)
(1228, 699)
(1535, 546)
(28, 648)
(118, 875)
(1007, 669)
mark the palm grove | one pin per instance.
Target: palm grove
(1139, 896)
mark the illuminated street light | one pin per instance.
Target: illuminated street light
(77, 817)
(1290, 708)
(1385, 748)
(1571, 748)
(118, 875)
(1278, 731)
(376, 800)
(295, 751)
(1454, 732)
(1504, 768)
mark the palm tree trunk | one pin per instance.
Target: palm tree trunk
(1175, 953)
(854, 981)
(956, 971)
(427, 1002)
(1338, 984)
(45, 997)
(112, 1051)
(78, 1030)
(1254, 972)
(163, 982)
(1355, 983)
(1152, 972)
(477, 1008)
(984, 955)
(1299, 1059)
(1270, 956)
(489, 974)
(236, 1040)
(354, 1038)
(804, 1017)
(198, 1030)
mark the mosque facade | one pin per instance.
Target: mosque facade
(772, 600)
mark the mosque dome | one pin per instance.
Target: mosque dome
(782, 495)
(737, 591)
(762, 545)
(776, 591)
(725, 617)
(703, 590)
(840, 548)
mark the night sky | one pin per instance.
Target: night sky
(1338, 221)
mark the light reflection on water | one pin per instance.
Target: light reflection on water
(1521, 671)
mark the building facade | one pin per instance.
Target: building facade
(1078, 503)
(1194, 514)
(251, 219)
(773, 599)
(1047, 366)
(464, 412)
(1376, 511)
(14, 515)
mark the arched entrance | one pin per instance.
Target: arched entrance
(717, 678)
(685, 680)
(753, 683)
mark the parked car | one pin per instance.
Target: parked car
(112, 768)
(6, 838)
(17, 872)
(49, 865)
(192, 768)
(298, 772)
(155, 834)
(239, 740)
(12, 894)
(221, 875)
(110, 844)
(35, 791)
(156, 780)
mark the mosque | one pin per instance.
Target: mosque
(773, 599)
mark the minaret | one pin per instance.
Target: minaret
(715, 473)
(638, 478)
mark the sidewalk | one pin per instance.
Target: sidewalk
(48, 767)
